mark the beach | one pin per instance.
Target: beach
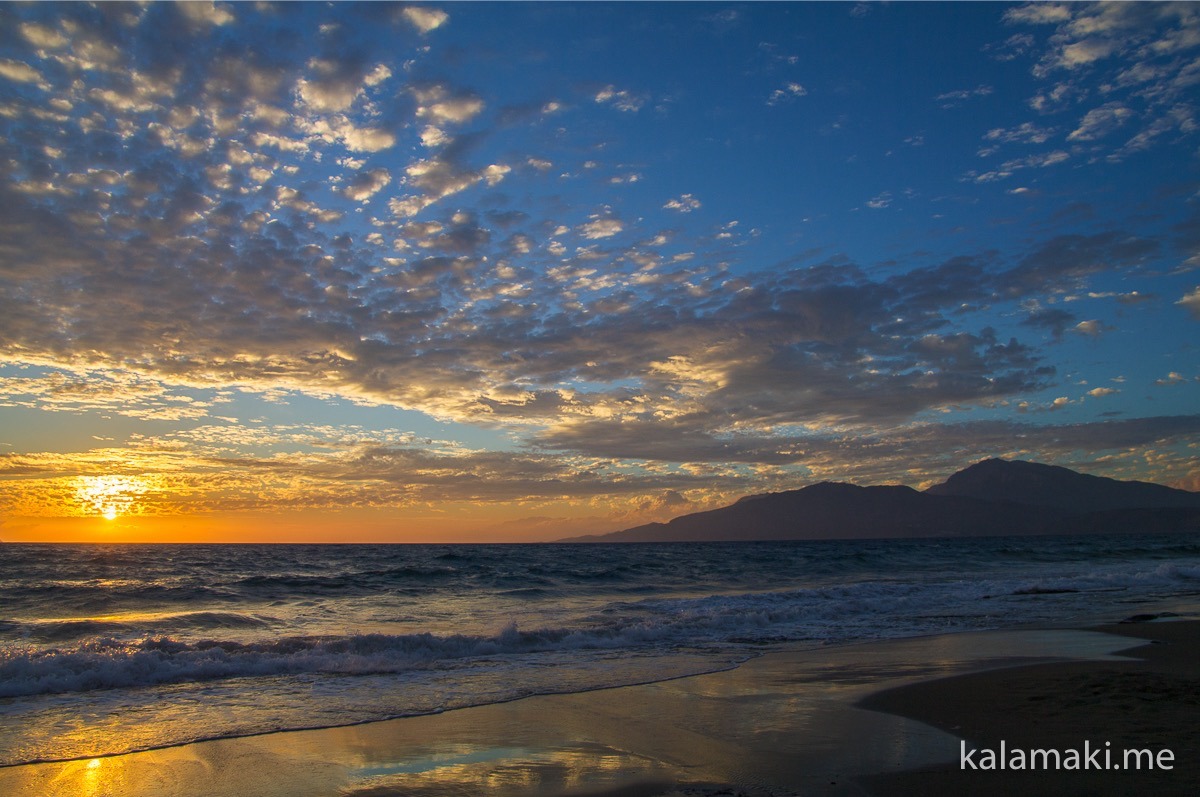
(1150, 702)
(877, 718)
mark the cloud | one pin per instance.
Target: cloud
(19, 71)
(43, 36)
(442, 106)
(364, 185)
(622, 100)
(335, 129)
(1066, 260)
(1010, 167)
(112, 391)
(425, 19)
(1053, 319)
(1092, 328)
(1100, 122)
(789, 91)
(432, 136)
(334, 85)
(206, 13)
(438, 178)
(685, 203)
(881, 201)
(952, 99)
(1038, 14)
(1191, 302)
(1133, 54)
(601, 227)
(1025, 133)
(201, 230)
(870, 366)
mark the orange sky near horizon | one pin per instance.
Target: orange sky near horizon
(349, 526)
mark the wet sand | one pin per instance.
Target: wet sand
(782, 724)
(1151, 702)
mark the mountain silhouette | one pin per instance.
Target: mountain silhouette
(992, 498)
(1062, 488)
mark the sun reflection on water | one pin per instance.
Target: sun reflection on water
(92, 784)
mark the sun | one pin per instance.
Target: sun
(110, 497)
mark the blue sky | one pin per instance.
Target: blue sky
(481, 271)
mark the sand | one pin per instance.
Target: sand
(1151, 702)
(783, 724)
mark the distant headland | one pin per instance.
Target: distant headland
(991, 498)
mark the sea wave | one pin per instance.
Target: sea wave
(106, 663)
(842, 612)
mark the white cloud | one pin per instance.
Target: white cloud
(603, 227)
(1191, 301)
(1092, 328)
(339, 129)
(364, 185)
(1059, 95)
(379, 74)
(205, 13)
(327, 97)
(279, 142)
(334, 86)
(425, 19)
(951, 99)
(1026, 133)
(621, 100)
(788, 92)
(1085, 52)
(259, 175)
(1031, 161)
(1038, 14)
(43, 36)
(495, 173)
(1099, 122)
(439, 105)
(686, 203)
(19, 71)
(433, 136)
(366, 139)
(438, 179)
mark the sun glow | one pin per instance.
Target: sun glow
(110, 497)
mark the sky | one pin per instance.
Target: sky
(469, 272)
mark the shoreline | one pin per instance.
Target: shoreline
(1149, 701)
(777, 724)
(796, 649)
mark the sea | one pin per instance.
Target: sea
(107, 649)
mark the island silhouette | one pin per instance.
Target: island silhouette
(995, 497)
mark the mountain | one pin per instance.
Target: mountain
(1062, 488)
(994, 497)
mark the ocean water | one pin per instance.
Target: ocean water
(112, 648)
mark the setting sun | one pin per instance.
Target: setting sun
(109, 497)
